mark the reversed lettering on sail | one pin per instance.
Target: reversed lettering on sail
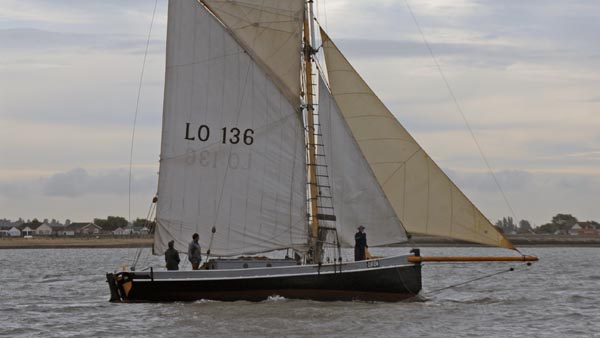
(232, 151)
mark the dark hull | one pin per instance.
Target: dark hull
(393, 283)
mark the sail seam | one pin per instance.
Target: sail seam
(405, 162)
(264, 26)
(388, 162)
(241, 51)
(350, 117)
(271, 10)
(355, 93)
(428, 194)
(384, 139)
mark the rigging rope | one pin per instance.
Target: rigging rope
(212, 236)
(459, 108)
(473, 280)
(137, 106)
(135, 116)
(138, 253)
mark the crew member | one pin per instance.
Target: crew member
(172, 257)
(194, 254)
(360, 245)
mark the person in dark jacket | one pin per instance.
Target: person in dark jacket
(172, 257)
(360, 239)
(194, 253)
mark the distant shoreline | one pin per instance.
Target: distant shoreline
(419, 241)
(42, 242)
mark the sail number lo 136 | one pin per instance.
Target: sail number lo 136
(228, 135)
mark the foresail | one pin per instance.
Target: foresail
(425, 200)
(357, 196)
(270, 31)
(232, 153)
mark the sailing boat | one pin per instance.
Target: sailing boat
(253, 165)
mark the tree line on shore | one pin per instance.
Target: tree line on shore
(108, 223)
(560, 224)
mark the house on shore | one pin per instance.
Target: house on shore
(80, 228)
(583, 229)
(43, 229)
(9, 231)
(140, 230)
(14, 232)
(26, 230)
(122, 231)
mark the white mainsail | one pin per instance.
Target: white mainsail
(357, 197)
(425, 200)
(232, 153)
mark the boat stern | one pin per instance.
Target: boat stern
(119, 284)
(112, 285)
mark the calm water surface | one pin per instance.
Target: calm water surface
(62, 293)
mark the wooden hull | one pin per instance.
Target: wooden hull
(374, 280)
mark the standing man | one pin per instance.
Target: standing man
(360, 239)
(172, 257)
(194, 254)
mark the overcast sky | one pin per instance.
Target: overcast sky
(526, 74)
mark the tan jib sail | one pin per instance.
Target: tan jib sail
(232, 152)
(270, 31)
(425, 200)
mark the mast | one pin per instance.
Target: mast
(310, 127)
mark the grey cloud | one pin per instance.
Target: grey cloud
(37, 39)
(408, 113)
(546, 31)
(568, 152)
(513, 180)
(78, 182)
(578, 183)
(530, 182)
(17, 189)
(366, 48)
(471, 54)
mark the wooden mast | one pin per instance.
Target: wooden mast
(310, 126)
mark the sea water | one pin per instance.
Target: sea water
(63, 293)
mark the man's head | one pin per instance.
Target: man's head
(361, 228)
(171, 244)
(195, 237)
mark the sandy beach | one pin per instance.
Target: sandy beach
(74, 242)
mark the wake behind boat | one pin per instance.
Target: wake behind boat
(253, 165)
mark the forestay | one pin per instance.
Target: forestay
(425, 200)
(357, 196)
(232, 153)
